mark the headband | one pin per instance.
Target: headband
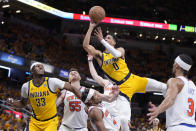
(182, 64)
(36, 63)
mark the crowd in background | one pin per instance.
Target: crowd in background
(174, 12)
(57, 50)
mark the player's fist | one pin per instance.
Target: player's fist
(90, 57)
(10, 101)
(115, 90)
(92, 24)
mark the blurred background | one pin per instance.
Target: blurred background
(152, 32)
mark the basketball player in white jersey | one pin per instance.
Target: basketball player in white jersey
(115, 106)
(180, 99)
(100, 117)
(74, 117)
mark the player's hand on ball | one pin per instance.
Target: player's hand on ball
(98, 33)
(93, 24)
(90, 57)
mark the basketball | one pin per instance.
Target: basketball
(96, 14)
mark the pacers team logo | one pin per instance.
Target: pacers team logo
(45, 85)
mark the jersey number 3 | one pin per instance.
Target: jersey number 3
(191, 107)
(75, 106)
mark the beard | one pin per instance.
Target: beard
(173, 72)
(39, 75)
(73, 79)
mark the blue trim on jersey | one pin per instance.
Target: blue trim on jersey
(189, 125)
(122, 94)
(45, 119)
(123, 80)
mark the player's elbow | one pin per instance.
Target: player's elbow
(117, 54)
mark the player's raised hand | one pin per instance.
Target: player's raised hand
(98, 33)
(90, 57)
(115, 90)
(92, 24)
(68, 86)
(154, 112)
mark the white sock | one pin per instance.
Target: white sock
(154, 85)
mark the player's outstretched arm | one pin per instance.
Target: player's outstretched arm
(24, 98)
(96, 115)
(174, 87)
(119, 52)
(73, 89)
(17, 103)
(112, 96)
(94, 74)
(87, 47)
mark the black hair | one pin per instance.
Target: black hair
(73, 69)
(114, 37)
(187, 59)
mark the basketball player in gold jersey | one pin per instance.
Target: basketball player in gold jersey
(41, 92)
(112, 62)
(155, 126)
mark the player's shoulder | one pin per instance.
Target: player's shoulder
(26, 84)
(94, 112)
(177, 81)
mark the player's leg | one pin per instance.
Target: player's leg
(124, 113)
(154, 85)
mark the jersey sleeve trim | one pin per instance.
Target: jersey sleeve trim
(28, 88)
(49, 87)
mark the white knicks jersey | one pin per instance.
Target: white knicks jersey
(183, 110)
(109, 122)
(111, 106)
(74, 111)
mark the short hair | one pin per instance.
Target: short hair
(73, 69)
(114, 37)
(187, 59)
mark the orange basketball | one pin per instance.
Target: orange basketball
(96, 14)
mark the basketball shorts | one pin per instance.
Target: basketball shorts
(49, 125)
(133, 85)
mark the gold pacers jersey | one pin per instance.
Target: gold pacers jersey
(42, 100)
(115, 68)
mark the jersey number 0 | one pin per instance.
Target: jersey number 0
(116, 67)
